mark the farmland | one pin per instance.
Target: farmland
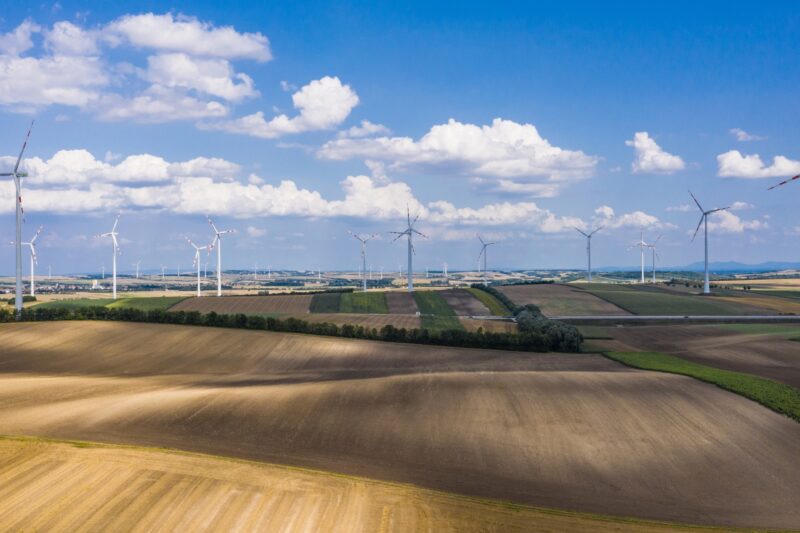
(401, 303)
(560, 300)
(142, 303)
(436, 313)
(296, 304)
(494, 305)
(464, 302)
(495, 425)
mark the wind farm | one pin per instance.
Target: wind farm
(462, 286)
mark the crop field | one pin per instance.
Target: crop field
(142, 303)
(401, 303)
(363, 302)
(326, 302)
(494, 305)
(437, 315)
(370, 321)
(295, 304)
(489, 424)
(464, 303)
(764, 350)
(560, 300)
(58, 486)
(648, 300)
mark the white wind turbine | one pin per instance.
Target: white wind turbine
(641, 245)
(16, 175)
(409, 231)
(34, 260)
(196, 262)
(136, 264)
(704, 221)
(655, 254)
(113, 234)
(589, 250)
(218, 243)
(484, 246)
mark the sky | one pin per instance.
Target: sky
(296, 122)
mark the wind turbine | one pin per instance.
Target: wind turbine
(589, 250)
(16, 174)
(484, 246)
(34, 260)
(784, 182)
(113, 234)
(655, 254)
(444, 268)
(704, 221)
(218, 243)
(136, 264)
(196, 262)
(642, 245)
(409, 231)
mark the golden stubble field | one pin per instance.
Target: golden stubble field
(575, 432)
(561, 300)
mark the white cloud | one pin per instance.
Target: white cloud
(214, 77)
(365, 129)
(322, 104)
(506, 213)
(65, 38)
(684, 208)
(504, 149)
(187, 34)
(511, 187)
(733, 164)
(255, 232)
(158, 104)
(19, 40)
(606, 216)
(739, 206)
(650, 157)
(727, 222)
(743, 136)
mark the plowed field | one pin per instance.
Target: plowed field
(560, 300)
(294, 304)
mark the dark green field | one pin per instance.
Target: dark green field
(363, 302)
(436, 315)
(495, 306)
(327, 302)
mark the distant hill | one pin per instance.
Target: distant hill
(715, 266)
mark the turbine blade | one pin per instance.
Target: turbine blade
(595, 231)
(116, 221)
(718, 209)
(698, 226)
(420, 234)
(212, 224)
(24, 144)
(784, 182)
(580, 231)
(695, 201)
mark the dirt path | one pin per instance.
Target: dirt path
(575, 432)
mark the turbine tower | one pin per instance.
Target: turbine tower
(196, 262)
(218, 243)
(136, 264)
(16, 174)
(655, 254)
(34, 260)
(484, 246)
(641, 245)
(589, 250)
(704, 221)
(408, 232)
(113, 234)
(363, 239)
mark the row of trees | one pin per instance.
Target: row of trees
(537, 336)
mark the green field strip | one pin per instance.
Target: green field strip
(326, 302)
(363, 302)
(142, 303)
(779, 397)
(435, 313)
(495, 306)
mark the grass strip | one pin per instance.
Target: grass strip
(779, 397)
(364, 302)
(495, 306)
(326, 302)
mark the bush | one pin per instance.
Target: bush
(25, 299)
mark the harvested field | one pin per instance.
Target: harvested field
(370, 321)
(560, 300)
(464, 303)
(765, 354)
(576, 432)
(401, 303)
(294, 304)
(54, 486)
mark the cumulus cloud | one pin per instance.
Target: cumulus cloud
(743, 136)
(733, 164)
(651, 158)
(365, 129)
(683, 208)
(19, 40)
(727, 222)
(65, 38)
(502, 150)
(606, 216)
(214, 77)
(322, 104)
(158, 104)
(255, 232)
(180, 33)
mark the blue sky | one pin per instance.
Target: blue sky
(165, 112)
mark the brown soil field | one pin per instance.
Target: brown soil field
(560, 300)
(568, 431)
(762, 355)
(296, 304)
(54, 486)
(370, 321)
(769, 304)
(786, 284)
(401, 303)
(463, 303)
